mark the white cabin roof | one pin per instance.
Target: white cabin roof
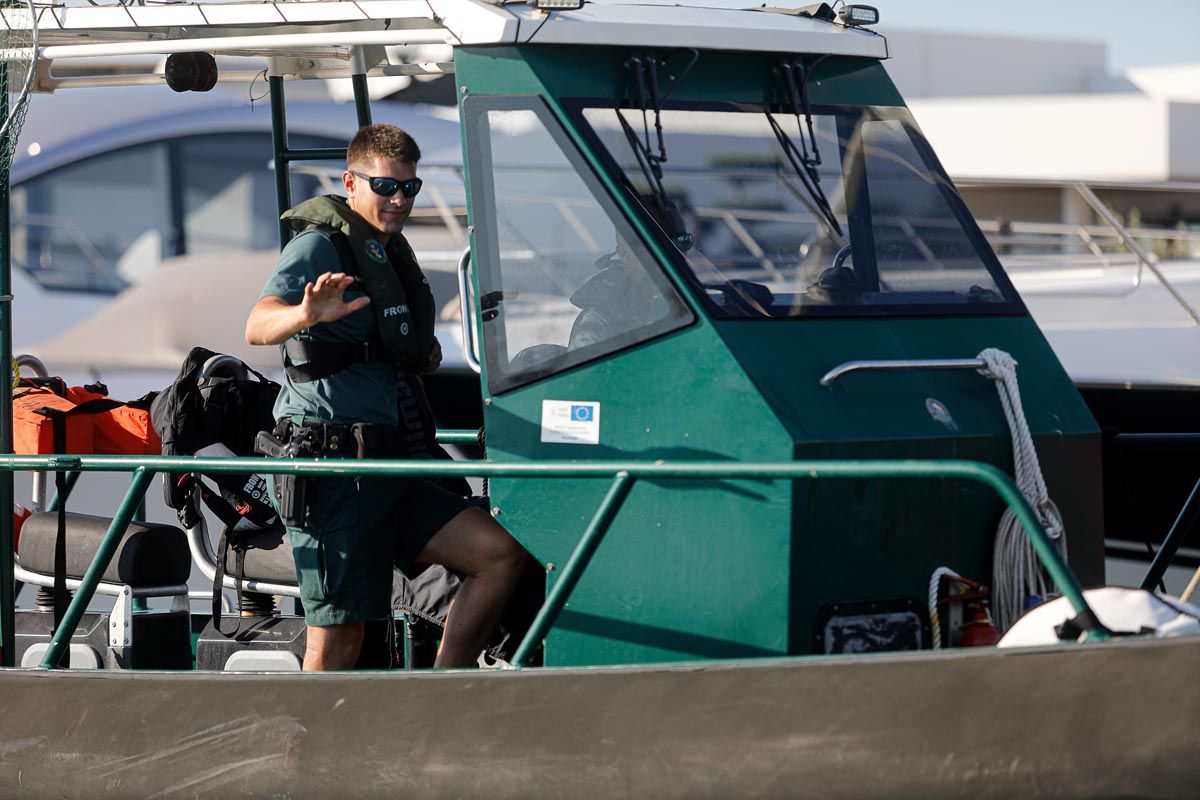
(328, 28)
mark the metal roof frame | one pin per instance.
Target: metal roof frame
(337, 38)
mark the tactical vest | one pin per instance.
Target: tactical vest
(400, 294)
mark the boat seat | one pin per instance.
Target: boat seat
(150, 554)
(268, 557)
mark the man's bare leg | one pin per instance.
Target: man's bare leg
(474, 544)
(330, 647)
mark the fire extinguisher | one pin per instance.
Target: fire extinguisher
(977, 629)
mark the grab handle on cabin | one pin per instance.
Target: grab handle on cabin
(899, 364)
(464, 307)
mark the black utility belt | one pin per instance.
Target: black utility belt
(329, 439)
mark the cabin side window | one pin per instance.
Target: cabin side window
(563, 279)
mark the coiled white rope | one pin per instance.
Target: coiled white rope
(1016, 571)
(935, 624)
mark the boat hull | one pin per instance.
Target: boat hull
(1114, 720)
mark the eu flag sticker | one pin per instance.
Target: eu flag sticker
(571, 421)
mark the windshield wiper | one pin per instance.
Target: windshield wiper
(648, 163)
(794, 78)
(643, 79)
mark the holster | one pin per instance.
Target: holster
(291, 491)
(320, 439)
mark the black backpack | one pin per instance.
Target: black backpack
(215, 408)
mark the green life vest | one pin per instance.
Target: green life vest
(399, 292)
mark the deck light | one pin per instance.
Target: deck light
(556, 5)
(855, 16)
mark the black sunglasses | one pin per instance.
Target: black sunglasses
(386, 187)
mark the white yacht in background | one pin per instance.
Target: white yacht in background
(121, 211)
(1086, 181)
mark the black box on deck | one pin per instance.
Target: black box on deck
(161, 639)
(277, 643)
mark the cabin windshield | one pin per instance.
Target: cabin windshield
(880, 231)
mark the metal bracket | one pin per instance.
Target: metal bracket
(181, 604)
(120, 621)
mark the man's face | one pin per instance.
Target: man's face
(385, 214)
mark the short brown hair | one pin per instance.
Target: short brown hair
(382, 141)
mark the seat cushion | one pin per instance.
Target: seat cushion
(150, 554)
(268, 557)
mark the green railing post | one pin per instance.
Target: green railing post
(576, 564)
(1188, 514)
(8, 599)
(358, 82)
(279, 142)
(1180, 529)
(362, 100)
(91, 578)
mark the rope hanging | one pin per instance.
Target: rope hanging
(1016, 571)
(935, 622)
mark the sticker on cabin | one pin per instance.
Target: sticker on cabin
(571, 421)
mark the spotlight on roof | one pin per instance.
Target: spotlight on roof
(857, 16)
(556, 5)
(191, 72)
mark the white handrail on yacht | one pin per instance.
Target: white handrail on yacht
(1127, 235)
(1145, 258)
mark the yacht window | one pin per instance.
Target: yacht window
(104, 223)
(880, 230)
(563, 279)
(97, 224)
(229, 190)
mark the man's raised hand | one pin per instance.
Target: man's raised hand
(324, 299)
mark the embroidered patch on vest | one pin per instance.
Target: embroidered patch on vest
(375, 251)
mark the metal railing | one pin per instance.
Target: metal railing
(1124, 240)
(1189, 512)
(624, 476)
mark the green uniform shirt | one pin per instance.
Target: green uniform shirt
(362, 392)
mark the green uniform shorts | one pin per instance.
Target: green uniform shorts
(355, 531)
